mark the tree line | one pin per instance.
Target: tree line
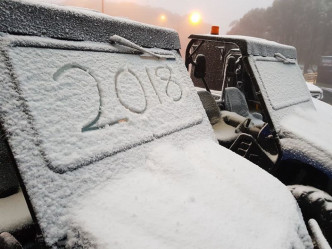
(305, 24)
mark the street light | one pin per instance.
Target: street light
(195, 17)
(162, 20)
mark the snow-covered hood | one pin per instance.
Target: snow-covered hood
(199, 196)
(308, 135)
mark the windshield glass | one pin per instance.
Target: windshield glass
(283, 83)
(282, 87)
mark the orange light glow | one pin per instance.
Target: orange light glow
(195, 18)
(214, 30)
(163, 17)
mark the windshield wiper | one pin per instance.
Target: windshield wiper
(124, 42)
(283, 58)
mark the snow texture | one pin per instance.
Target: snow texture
(254, 46)
(307, 133)
(69, 91)
(323, 108)
(282, 86)
(30, 18)
(215, 203)
(52, 99)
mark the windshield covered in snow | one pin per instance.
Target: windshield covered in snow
(282, 86)
(284, 83)
(99, 104)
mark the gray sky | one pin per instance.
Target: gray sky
(216, 12)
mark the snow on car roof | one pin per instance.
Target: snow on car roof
(252, 45)
(37, 19)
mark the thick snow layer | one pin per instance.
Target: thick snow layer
(282, 86)
(201, 196)
(323, 108)
(73, 119)
(31, 18)
(308, 134)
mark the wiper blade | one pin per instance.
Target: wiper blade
(124, 42)
(283, 58)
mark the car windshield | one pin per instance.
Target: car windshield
(284, 83)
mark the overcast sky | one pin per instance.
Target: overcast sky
(215, 12)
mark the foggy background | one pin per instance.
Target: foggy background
(305, 24)
(176, 12)
(216, 12)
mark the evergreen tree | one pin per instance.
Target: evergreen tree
(305, 24)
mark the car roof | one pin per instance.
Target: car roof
(48, 20)
(251, 45)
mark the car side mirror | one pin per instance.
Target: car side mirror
(231, 65)
(200, 66)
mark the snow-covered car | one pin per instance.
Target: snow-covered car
(315, 91)
(112, 148)
(260, 107)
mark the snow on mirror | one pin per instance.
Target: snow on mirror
(90, 105)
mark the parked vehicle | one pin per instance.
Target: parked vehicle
(315, 91)
(112, 147)
(263, 111)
